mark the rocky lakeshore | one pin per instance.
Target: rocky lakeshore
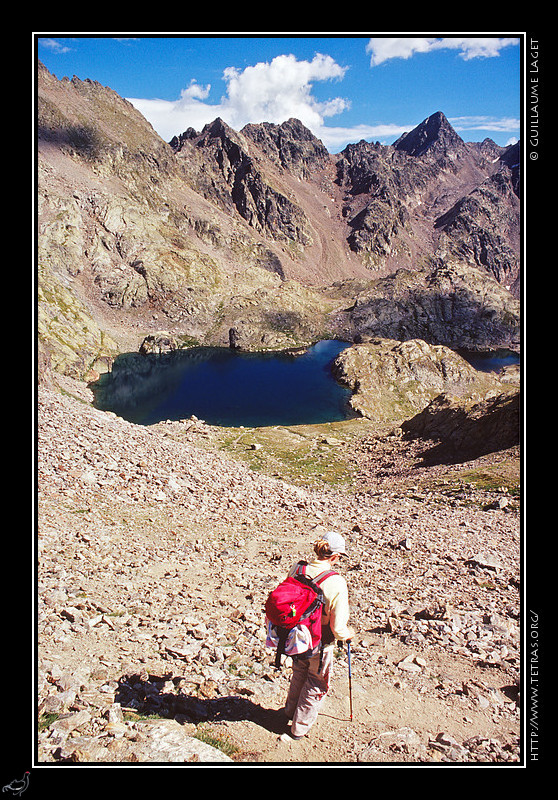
(156, 550)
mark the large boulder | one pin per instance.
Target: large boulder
(158, 343)
(462, 431)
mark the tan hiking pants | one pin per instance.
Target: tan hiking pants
(308, 689)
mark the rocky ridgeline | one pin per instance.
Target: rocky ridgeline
(155, 556)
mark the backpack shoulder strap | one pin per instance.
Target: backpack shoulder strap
(301, 570)
(323, 575)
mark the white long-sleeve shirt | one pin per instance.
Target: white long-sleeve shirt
(336, 598)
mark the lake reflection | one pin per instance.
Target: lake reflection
(226, 387)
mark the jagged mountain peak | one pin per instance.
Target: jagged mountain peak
(216, 131)
(433, 134)
(218, 128)
(291, 145)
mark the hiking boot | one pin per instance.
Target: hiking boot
(290, 737)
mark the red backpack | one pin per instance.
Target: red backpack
(294, 615)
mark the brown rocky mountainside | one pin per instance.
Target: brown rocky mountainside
(264, 232)
(156, 545)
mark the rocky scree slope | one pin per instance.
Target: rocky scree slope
(155, 553)
(264, 232)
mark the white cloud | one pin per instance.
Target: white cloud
(195, 92)
(501, 125)
(487, 47)
(266, 92)
(281, 89)
(384, 48)
(52, 44)
(336, 138)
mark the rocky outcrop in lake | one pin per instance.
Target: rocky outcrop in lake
(393, 381)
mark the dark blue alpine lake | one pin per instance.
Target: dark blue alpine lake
(227, 387)
(232, 388)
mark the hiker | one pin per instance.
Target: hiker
(311, 677)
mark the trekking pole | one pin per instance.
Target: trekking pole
(350, 686)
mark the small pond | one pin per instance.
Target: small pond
(227, 387)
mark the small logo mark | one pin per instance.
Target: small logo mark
(17, 787)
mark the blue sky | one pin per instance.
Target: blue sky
(344, 87)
